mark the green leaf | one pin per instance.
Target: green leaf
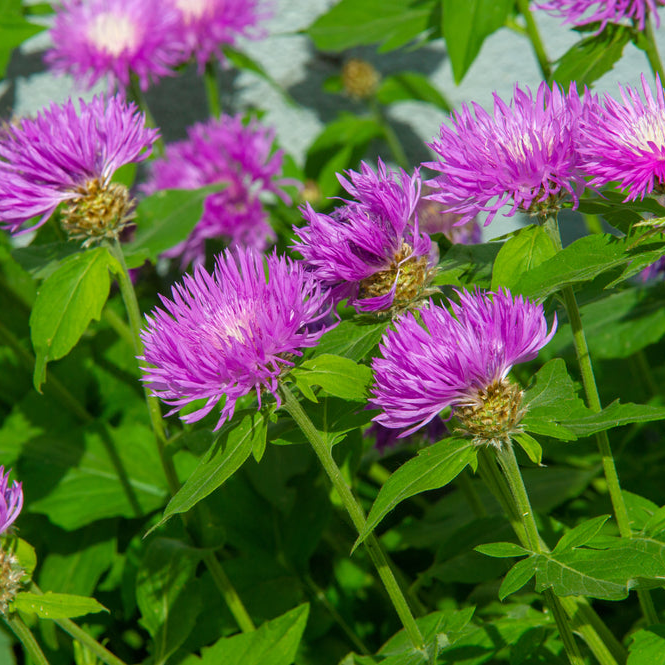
(582, 260)
(14, 30)
(465, 27)
(434, 467)
(472, 264)
(273, 643)
(525, 250)
(66, 303)
(530, 446)
(56, 605)
(587, 60)
(25, 553)
(406, 86)
(614, 415)
(223, 459)
(41, 261)
(351, 339)
(349, 23)
(165, 219)
(338, 376)
(647, 646)
(517, 577)
(581, 534)
(501, 550)
(166, 594)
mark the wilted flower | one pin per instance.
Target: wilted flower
(225, 151)
(231, 332)
(459, 360)
(524, 153)
(370, 250)
(207, 25)
(11, 500)
(117, 39)
(582, 12)
(64, 156)
(625, 142)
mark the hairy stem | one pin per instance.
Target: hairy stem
(27, 639)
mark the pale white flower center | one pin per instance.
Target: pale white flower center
(648, 128)
(192, 9)
(113, 33)
(226, 326)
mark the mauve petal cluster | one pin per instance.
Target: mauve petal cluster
(241, 156)
(582, 12)
(11, 500)
(115, 39)
(522, 154)
(53, 157)
(377, 234)
(208, 25)
(452, 355)
(624, 141)
(231, 332)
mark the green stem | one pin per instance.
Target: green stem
(229, 593)
(357, 515)
(651, 50)
(136, 95)
(605, 647)
(27, 639)
(134, 315)
(212, 89)
(506, 456)
(536, 41)
(121, 329)
(593, 401)
(593, 223)
(399, 155)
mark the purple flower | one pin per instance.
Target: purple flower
(11, 500)
(230, 332)
(581, 12)
(64, 156)
(208, 25)
(454, 359)
(116, 39)
(625, 142)
(524, 153)
(238, 155)
(370, 250)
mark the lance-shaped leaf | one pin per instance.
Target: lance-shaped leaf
(434, 467)
(340, 377)
(56, 605)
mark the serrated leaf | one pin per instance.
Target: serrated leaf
(517, 577)
(525, 250)
(501, 550)
(433, 468)
(581, 534)
(410, 86)
(273, 643)
(587, 60)
(362, 22)
(56, 605)
(223, 459)
(338, 376)
(66, 303)
(465, 27)
(164, 220)
(529, 445)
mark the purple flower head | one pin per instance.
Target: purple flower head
(582, 12)
(62, 155)
(224, 151)
(455, 357)
(370, 250)
(116, 39)
(524, 153)
(625, 141)
(231, 332)
(207, 25)
(11, 500)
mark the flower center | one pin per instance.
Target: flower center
(494, 412)
(649, 128)
(113, 33)
(192, 9)
(226, 325)
(411, 274)
(359, 79)
(99, 211)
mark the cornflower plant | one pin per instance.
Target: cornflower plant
(380, 441)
